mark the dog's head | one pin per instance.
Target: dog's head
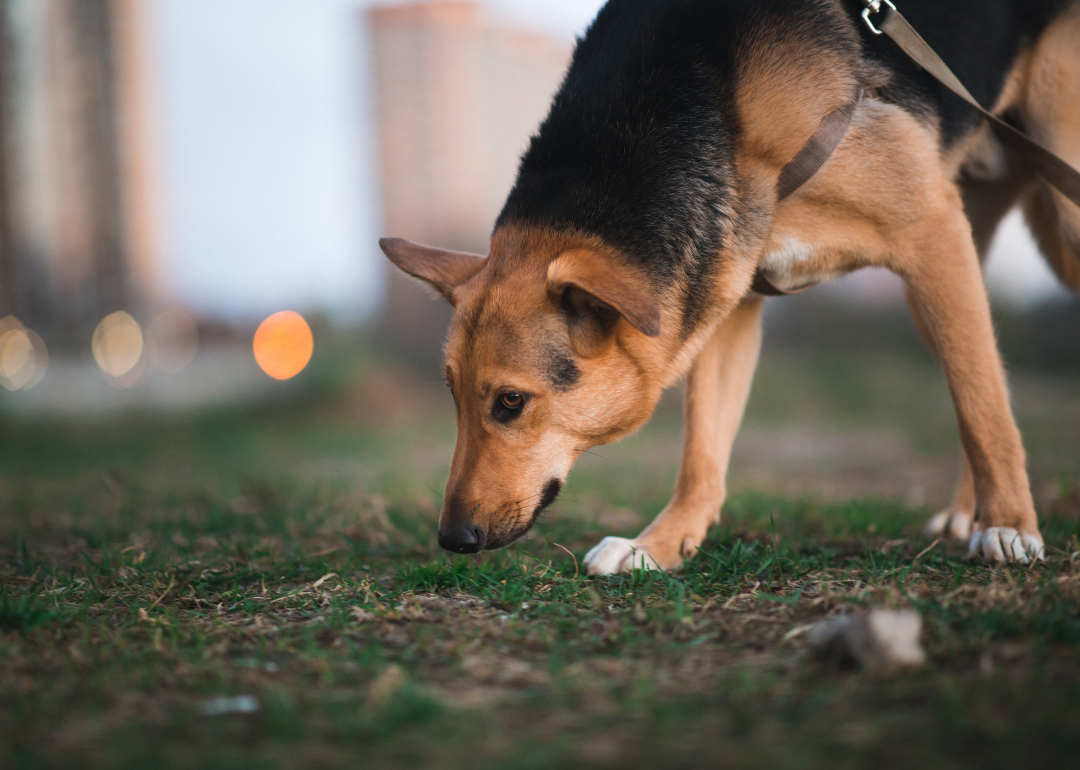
(551, 351)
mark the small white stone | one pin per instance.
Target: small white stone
(386, 684)
(236, 704)
(880, 639)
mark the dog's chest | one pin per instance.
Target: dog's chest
(790, 253)
(789, 263)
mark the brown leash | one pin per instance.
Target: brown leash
(1049, 166)
(834, 126)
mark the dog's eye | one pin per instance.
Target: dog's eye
(512, 401)
(508, 406)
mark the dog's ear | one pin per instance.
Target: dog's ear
(594, 292)
(442, 270)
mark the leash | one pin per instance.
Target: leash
(1054, 171)
(1049, 166)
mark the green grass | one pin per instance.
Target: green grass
(148, 567)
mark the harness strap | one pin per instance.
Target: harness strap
(804, 165)
(818, 149)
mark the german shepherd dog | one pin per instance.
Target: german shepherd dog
(646, 204)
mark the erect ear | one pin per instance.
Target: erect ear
(584, 271)
(442, 270)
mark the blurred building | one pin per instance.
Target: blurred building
(457, 99)
(77, 235)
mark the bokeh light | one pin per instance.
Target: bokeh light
(173, 340)
(23, 356)
(283, 345)
(118, 346)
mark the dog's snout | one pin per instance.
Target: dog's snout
(461, 538)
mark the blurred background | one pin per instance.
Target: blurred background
(178, 175)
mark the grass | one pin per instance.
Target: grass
(151, 568)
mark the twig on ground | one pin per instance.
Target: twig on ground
(926, 550)
(571, 556)
(157, 601)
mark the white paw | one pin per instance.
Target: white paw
(949, 523)
(1000, 545)
(613, 555)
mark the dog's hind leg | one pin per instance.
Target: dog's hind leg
(1051, 113)
(1047, 99)
(717, 388)
(1050, 109)
(886, 198)
(943, 276)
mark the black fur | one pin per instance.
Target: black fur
(521, 522)
(560, 370)
(637, 148)
(978, 39)
(551, 491)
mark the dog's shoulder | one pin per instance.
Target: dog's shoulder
(638, 147)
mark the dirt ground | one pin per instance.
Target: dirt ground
(263, 589)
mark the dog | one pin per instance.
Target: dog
(645, 214)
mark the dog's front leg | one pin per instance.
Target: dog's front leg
(945, 281)
(717, 388)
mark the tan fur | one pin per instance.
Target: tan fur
(1044, 87)
(717, 389)
(888, 197)
(593, 273)
(908, 218)
(1051, 106)
(806, 82)
(498, 472)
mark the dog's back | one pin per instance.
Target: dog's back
(980, 40)
(641, 139)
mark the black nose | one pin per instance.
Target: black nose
(460, 538)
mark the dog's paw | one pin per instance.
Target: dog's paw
(950, 523)
(613, 555)
(1001, 545)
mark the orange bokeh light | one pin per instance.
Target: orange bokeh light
(283, 345)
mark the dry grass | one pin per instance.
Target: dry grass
(151, 568)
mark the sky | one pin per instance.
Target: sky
(263, 119)
(268, 189)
